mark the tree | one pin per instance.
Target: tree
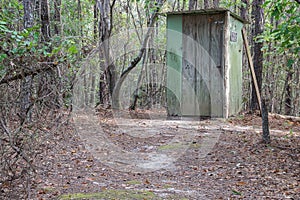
(281, 37)
(45, 22)
(258, 14)
(56, 17)
(192, 4)
(108, 76)
(27, 81)
(133, 63)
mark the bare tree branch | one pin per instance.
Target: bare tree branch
(136, 60)
(25, 74)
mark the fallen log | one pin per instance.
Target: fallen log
(286, 117)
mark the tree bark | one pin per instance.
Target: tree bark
(244, 10)
(56, 17)
(27, 80)
(95, 20)
(108, 79)
(216, 3)
(288, 93)
(192, 4)
(206, 4)
(265, 123)
(258, 13)
(28, 13)
(45, 28)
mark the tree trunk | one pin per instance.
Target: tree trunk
(136, 91)
(45, 28)
(27, 81)
(137, 59)
(28, 13)
(288, 94)
(216, 3)
(297, 93)
(56, 17)
(108, 67)
(206, 4)
(244, 10)
(265, 123)
(192, 4)
(258, 54)
(95, 20)
(183, 5)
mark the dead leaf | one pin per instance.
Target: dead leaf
(241, 183)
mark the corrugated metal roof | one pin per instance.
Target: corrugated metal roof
(207, 11)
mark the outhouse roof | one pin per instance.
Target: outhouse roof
(207, 11)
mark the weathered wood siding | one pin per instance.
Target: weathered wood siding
(235, 62)
(204, 59)
(202, 67)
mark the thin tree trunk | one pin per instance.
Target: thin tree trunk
(288, 94)
(56, 17)
(216, 3)
(183, 5)
(136, 91)
(258, 54)
(95, 21)
(27, 81)
(28, 13)
(45, 28)
(265, 123)
(244, 10)
(297, 93)
(206, 4)
(192, 4)
(136, 60)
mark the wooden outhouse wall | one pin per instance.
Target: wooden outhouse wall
(235, 57)
(204, 60)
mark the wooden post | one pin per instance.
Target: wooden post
(251, 67)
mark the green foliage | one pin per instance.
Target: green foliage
(112, 194)
(284, 28)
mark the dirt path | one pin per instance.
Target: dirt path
(186, 159)
(144, 156)
(169, 140)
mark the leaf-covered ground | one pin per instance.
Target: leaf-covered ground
(238, 167)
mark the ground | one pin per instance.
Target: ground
(142, 155)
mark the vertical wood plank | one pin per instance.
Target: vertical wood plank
(189, 107)
(174, 64)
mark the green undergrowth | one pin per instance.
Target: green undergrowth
(112, 194)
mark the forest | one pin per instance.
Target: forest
(81, 78)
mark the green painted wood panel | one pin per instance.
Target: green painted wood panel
(174, 64)
(202, 84)
(235, 62)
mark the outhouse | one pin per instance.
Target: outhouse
(204, 63)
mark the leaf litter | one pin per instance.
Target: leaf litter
(239, 166)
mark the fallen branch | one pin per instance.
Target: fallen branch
(15, 148)
(286, 117)
(27, 73)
